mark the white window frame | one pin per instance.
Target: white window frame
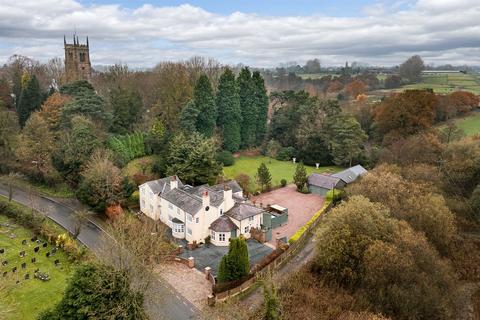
(247, 229)
(212, 235)
(189, 217)
(197, 220)
(221, 237)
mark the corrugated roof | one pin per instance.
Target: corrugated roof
(223, 224)
(351, 174)
(241, 211)
(323, 180)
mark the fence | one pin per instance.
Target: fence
(281, 259)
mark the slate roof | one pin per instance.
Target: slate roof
(223, 224)
(241, 211)
(184, 200)
(216, 198)
(323, 180)
(351, 174)
(162, 185)
(232, 184)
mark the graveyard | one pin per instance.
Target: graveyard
(36, 271)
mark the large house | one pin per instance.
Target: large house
(195, 213)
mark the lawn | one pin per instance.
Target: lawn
(471, 124)
(30, 297)
(447, 83)
(278, 169)
(139, 165)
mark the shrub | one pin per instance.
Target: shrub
(286, 153)
(283, 182)
(128, 147)
(225, 157)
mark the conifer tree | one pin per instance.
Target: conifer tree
(236, 263)
(30, 100)
(188, 117)
(300, 177)
(261, 106)
(205, 104)
(229, 114)
(248, 108)
(263, 177)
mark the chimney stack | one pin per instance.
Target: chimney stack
(205, 199)
(173, 183)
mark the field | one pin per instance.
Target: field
(139, 165)
(278, 169)
(471, 124)
(29, 297)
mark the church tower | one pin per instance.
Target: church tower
(77, 60)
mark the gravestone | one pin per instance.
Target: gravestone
(38, 241)
(45, 245)
(57, 262)
(22, 254)
(4, 263)
(34, 239)
(54, 250)
(27, 276)
(5, 273)
(47, 254)
(24, 242)
(2, 251)
(24, 265)
(14, 269)
(36, 249)
(34, 260)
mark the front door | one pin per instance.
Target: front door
(233, 233)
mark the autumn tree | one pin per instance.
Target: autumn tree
(229, 113)
(52, 109)
(355, 88)
(5, 94)
(243, 180)
(406, 113)
(393, 81)
(9, 130)
(412, 69)
(204, 102)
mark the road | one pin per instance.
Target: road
(170, 305)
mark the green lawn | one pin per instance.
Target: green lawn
(447, 83)
(471, 124)
(30, 297)
(139, 164)
(278, 169)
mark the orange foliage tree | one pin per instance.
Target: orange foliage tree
(463, 101)
(51, 109)
(355, 88)
(335, 86)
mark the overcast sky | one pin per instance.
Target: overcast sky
(260, 33)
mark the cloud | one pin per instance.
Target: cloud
(442, 31)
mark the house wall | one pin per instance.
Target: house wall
(255, 222)
(318, 190)
(149, 202)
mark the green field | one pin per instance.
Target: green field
(471, 124)
(30, 297)
(448, 83)
(138, 165)
(278, 169)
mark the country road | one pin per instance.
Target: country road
(170, 305)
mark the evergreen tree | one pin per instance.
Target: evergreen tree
(261, 105)
(300, 177)
(126, 108)
(248, 108)
(236, 263)
(229, 114)
(271, 302)
(189, 117)
(204, 101)
(30, 100)
(263, 177)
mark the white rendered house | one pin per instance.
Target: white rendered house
(194, 213)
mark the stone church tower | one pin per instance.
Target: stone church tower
(77, 60)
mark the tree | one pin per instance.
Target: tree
(271, 301)
(9, 130)
(5, 94)
(345, 137)
(355, 88)
(36, 145)
(244, 182)
(204, 102)
(52, 109)
(248, 108)
(261, 105)
(412, 69)
(235, 264)
(126, 109)
(100, 292)
(263, 177)
(86, 104)
(193, 159)
(102, 182)
(189, 118)
(312, 66)
(406, 113)
(475, 201)
(30, 100)
(75, 147)
(393, 81)
(229, 113)
(300, 177)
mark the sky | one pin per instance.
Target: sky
(261, 33)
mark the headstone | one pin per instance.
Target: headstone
(14, 269)
(27, 276)
(5, 273)
(24, 242)
(2, 251)
(57, 262)
(36, 249)
(22, 254)
(4, 263)
(38, 241)
(24, 265)
(317, 165)
(54, 250)
(47, 254)
(45, 245)
(34, 260)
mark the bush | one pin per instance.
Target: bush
(286, 153)
(225, 157)
(283, 182)
(128, 147)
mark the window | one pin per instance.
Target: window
(246, 229)
(178, 228)
(189, 217)
(197, 220)
(82, 57)
(251, 218)
(212, 234)
(189, 231)
(221, 236)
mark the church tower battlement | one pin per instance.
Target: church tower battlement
(77, 60)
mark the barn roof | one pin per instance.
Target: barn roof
(323, 180)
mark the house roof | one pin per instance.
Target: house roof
(223, 224)
(184, 200)
(162, 185)
(323, 180)
(351, 174)
(216, 198)
(241, 211)
(232, 184)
